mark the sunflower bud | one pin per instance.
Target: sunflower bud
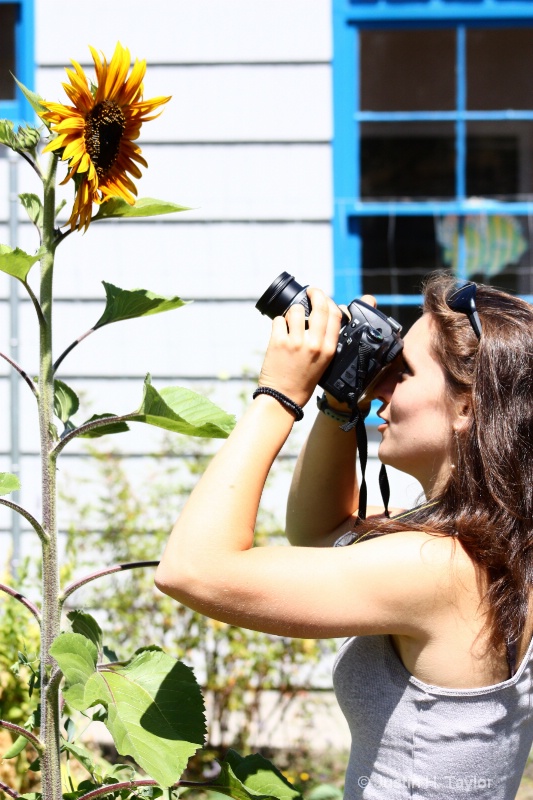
(27, 138)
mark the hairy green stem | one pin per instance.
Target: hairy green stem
(43, 536)
(72, 587)
(51, 610)
(30, 737)
(23, 600)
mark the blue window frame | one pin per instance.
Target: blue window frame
(433, 146)
(16, 57)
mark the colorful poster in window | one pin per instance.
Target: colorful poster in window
(491, 243)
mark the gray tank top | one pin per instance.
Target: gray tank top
(413, 740)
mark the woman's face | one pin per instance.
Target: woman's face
(418, 416)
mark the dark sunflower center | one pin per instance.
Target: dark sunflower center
(104, 128)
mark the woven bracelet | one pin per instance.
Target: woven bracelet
(286, 402)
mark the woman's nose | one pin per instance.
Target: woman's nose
(386, 384)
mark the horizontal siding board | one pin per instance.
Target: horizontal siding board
(229, 103)
(270, 182)
(224, 339)
(187, 30)
(213, 261)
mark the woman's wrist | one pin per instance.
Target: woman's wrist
(333, 409)
(288, 404)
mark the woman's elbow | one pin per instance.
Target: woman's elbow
(173, 581)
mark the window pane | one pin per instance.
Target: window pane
(398, 252)
(8, 16)
(407, 160)
(500, 160)
(499, 68)
(407, 70)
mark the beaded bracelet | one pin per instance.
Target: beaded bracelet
(286, 402)
(333, 413)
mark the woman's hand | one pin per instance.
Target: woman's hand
(296, 358)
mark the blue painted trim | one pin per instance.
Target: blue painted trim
(506, 12)
(19, 110)
(431, 207)
(443, 116)
(346, 242)
(417, 299)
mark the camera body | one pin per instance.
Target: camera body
(368, 342)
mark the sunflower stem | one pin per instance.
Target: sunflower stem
(51, 610)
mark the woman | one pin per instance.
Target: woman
(436, 675)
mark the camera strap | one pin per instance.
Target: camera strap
(357, 421)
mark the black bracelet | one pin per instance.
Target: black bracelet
(286, 402)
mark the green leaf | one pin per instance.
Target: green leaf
(76, 656)
(66, 401)
(33, 99)
(155, 712)
(8, 483)
(83, 623)
(34, 208)
(144, 207)
(252, 778)
(103, 430)
(183, 411)
(16, 262)
(16, 748)
(80, 754)
(124, 304)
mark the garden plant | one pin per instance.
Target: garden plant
(150, 702)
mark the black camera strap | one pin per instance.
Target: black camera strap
(357, 421)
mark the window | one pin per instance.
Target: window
(16, 58)
(433, 147)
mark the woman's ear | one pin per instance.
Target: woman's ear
(462, 414)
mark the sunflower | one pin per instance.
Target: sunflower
(96, 135)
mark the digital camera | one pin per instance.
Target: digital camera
(368, 342)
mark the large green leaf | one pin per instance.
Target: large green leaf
(124, 304)
(144, 207)
(183, 411)
(76, 656)
(155, 712)
(252, 778)
(16, 262)
(8, 483)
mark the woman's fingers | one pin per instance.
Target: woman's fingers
(370, 300)
(298, 354)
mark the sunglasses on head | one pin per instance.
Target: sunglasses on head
(463, 300)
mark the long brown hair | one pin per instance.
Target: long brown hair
(487, 501)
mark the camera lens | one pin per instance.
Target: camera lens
(283, 293)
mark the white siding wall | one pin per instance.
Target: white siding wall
(246, 143)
